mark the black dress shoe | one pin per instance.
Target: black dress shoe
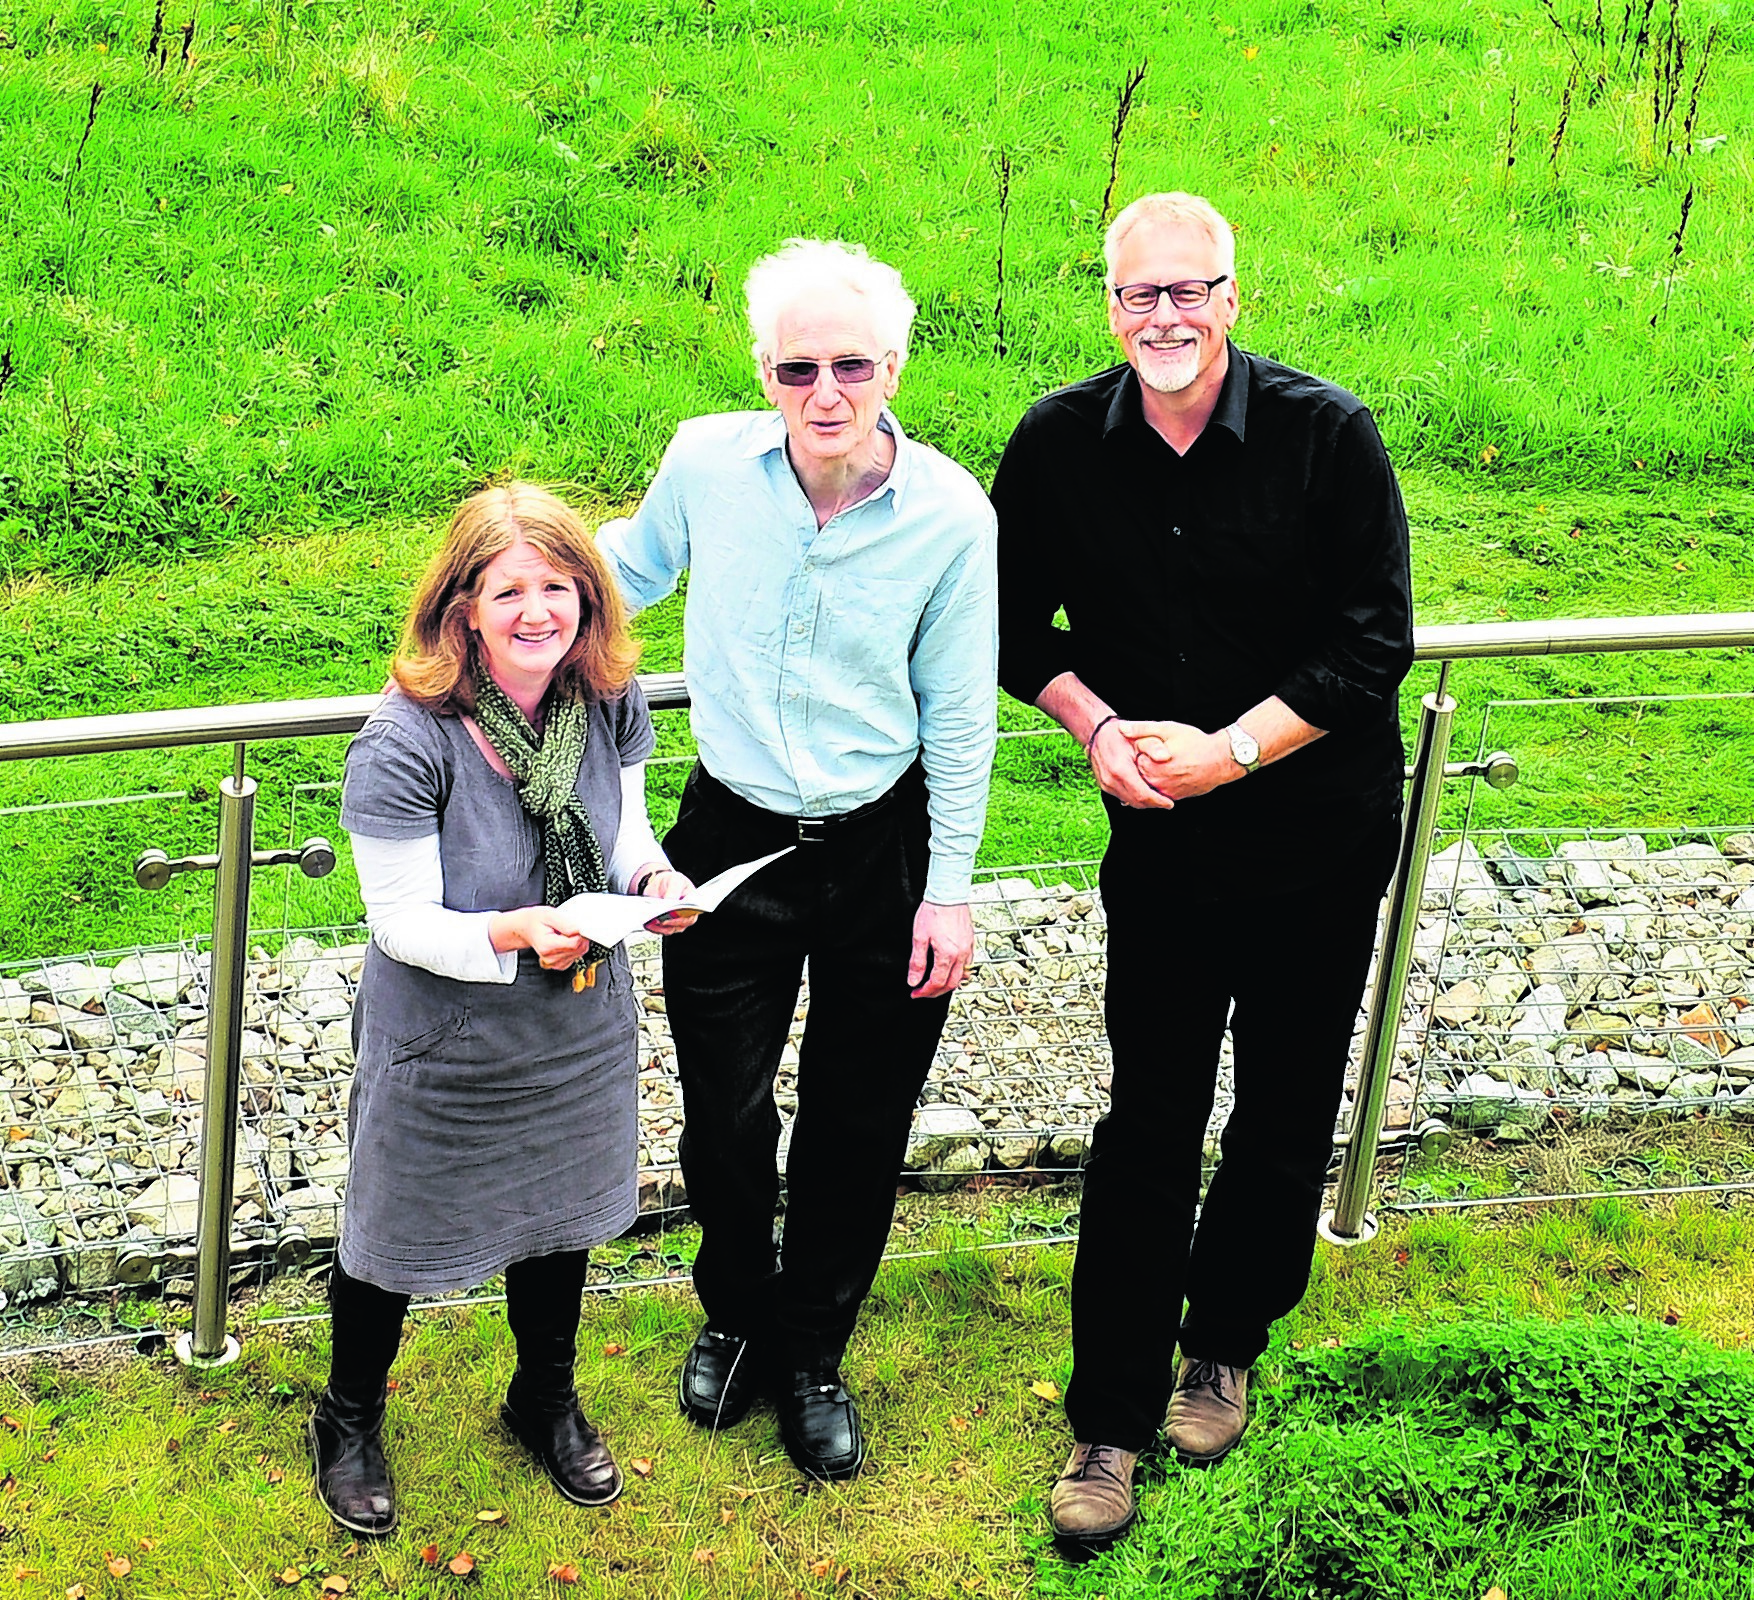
(819, 1423)
(720, 1379)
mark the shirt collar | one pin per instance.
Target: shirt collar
(1127, 408)
(768, 433)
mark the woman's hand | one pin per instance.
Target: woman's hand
(545, 929)
(666, 883)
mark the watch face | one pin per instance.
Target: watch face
(1244, 748)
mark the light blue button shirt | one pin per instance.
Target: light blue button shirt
(821, 661)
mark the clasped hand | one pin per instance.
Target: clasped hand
(1151, 765)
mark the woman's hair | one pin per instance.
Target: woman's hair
(803, 267)
(440, 654)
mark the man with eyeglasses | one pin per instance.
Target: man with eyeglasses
(1227, 541)
(840, 641)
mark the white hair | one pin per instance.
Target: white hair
(1175, 207)
(802, 267)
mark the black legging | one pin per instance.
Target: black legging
(366, 1321)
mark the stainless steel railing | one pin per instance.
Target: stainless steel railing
(1349, 1221)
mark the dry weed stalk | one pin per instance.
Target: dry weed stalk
(97, 93)
(1004, 218)
(1564, 119)
(1117, 132)
(1680, 238)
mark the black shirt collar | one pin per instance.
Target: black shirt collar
(1127, 408)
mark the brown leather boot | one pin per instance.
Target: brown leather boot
(1092, 1502)
(1208, 1411)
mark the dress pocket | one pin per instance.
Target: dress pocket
(422, 1044)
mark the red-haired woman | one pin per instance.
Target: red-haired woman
(492, 1124)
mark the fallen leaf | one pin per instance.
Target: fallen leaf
(1494, 1593)
(8, 1484)
(960, 1424)
(393, 1385)
(613, 1349)
(119, 1566)
(1048, 1391)
(1488, 455)
(727, 1516)
(430, 1555)
(490, 1516)
(1401, 1258)
(291, 1576)
(1330, 1343)
(822, 1568)
(703, 1557)
(334, 1584)
(640, 1466)
(11, 1424)
(283, 188)
(19, 1574)
(172, 1446)
(228, 1426)
(563, 1572)
(147, 1544)
(461, 1564)
(276, 1474)
(1672, 1318)
(1250, 51)
(77, 1592)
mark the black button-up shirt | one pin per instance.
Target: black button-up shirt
(1270, 559)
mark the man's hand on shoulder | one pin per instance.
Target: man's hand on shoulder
(943, 942)
(1180, 761)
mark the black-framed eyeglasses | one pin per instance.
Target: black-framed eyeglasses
(846, 369)
(1188, 295)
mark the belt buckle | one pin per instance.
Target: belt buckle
(812, 830)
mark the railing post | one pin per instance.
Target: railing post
(1350, 1222)
(208, 1344)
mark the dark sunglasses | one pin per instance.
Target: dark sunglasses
(846, 369)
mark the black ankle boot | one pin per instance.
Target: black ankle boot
(353, 1478)
(542, 1411)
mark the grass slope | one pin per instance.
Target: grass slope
(306, 265)
(1458, 1404)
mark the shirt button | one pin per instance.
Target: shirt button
(1176, 531)
(1181, 658)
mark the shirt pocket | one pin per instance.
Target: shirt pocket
(873, 623)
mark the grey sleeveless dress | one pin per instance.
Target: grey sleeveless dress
(488, 1122)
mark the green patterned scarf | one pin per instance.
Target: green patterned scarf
(546, 767)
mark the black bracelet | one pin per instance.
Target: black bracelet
(639, 887)
(1090, 743)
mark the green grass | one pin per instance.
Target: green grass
(346, 262)
(266, 314)
(1410, 1356)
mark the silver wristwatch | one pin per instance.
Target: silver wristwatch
(1244, 750)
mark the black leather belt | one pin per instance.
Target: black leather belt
(813, 830)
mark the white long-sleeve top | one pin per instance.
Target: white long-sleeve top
(402, 882)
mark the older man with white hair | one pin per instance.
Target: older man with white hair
(840, 645)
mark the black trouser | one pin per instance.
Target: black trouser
(542, 1296)
(1294, 965)
(845, 900)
